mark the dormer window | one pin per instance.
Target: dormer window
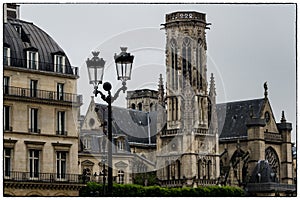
(18, 28)
(59, 63)
(6, 56)
(87, 143)
(32, 60)
(120, 145)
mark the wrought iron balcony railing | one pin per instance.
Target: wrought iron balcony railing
(42, 66)
(41, 94)
(42, 177)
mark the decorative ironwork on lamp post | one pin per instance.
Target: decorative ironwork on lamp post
(95, 67)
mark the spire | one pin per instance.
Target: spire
(266, 89)
(283, 120)
(161, 91)
(212, 89)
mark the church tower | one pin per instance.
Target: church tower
(188, 146)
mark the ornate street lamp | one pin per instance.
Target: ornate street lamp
(124, 64)
(96, 70)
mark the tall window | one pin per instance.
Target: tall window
(209, 168)
(120, 146)
(60, 91)
(209, 112)
(59, 62)
(121, 177)
(6, 82)
(7, 162)
(187, 59)
(272, 158)
(199, 169)
(174, 65)
(34, 159)
(174, 107)
(61, 164)
(33, 120)
(199, 63)
(6, 56)
(61, 120)
(87, 143)
(32, 60)
(168, 170)
(178, 169)
(6, 118)
(33, 88)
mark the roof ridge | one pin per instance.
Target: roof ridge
(240, 101)
(20, 20)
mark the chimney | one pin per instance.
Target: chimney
(11, 10)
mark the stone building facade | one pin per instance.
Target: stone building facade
(133, 143)
(142, 100)
(40, 109)
(187, 145)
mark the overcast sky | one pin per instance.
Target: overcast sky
(247, 45)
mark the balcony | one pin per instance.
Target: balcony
(40, 66)
(14, 176)
(25, 93)
(170, 132)
(200, 131)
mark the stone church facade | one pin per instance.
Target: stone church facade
(192, 140)
(187, 146)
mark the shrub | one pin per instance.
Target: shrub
(132, 190)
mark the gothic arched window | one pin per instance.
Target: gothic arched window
(187, 59)
(199, 63)
(178, 169)
(168, 170)
(272, 158)
(209, 169)
(209, 112)
(174, 65)
(199, 169)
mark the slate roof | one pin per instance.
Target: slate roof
(132, 123)
(232, 117)
(31, 37)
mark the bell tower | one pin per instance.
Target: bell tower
(188, 145)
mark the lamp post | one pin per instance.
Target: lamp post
(95, 67)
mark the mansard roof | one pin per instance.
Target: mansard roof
(136, 125)
(31, 37)
(232, 117)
